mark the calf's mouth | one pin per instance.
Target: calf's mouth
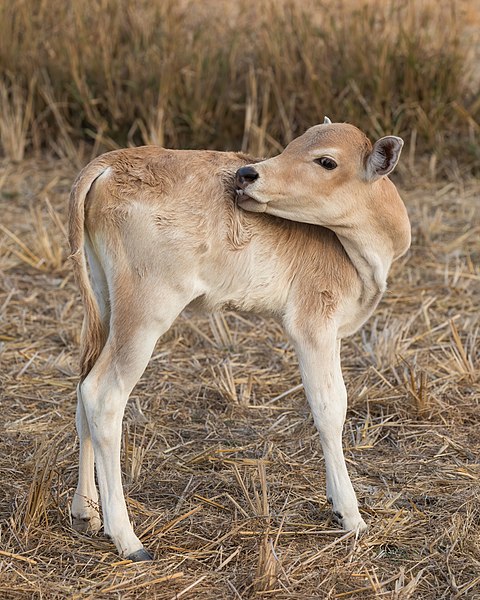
(247, 202)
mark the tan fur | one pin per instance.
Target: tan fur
(197, 220)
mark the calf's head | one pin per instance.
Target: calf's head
(321, 177)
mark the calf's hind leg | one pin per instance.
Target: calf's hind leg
(105, 392)
(85, 513)
(85, 508)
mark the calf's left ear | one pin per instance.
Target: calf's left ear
(384, 157)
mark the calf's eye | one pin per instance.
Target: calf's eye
(326, 163)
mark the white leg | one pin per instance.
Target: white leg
(85, 515)
(105, 392)
(85, 507)
(325, 390)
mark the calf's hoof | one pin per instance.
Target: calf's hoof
(91, 524)
(140, 555)
(355, 523)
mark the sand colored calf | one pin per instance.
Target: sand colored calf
(165, 229)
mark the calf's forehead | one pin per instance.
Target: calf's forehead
(341, 136)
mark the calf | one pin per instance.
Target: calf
(165, 229)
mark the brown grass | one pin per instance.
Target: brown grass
(81, 77)
(222, 465)
(223, 468)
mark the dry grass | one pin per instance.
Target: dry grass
(250, 74)
(222, 465)
(223, 468)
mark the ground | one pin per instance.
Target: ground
(222, 465)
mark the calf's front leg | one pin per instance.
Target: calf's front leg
(319, 360)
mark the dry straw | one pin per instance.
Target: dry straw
(222, 465)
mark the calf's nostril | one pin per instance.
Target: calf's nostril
(246, 175)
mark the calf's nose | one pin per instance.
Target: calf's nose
(245, 175)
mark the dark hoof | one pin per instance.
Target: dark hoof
(140, 555)
(338, 516)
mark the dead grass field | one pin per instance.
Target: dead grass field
(223, 467)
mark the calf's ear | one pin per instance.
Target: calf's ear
(384, 157)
